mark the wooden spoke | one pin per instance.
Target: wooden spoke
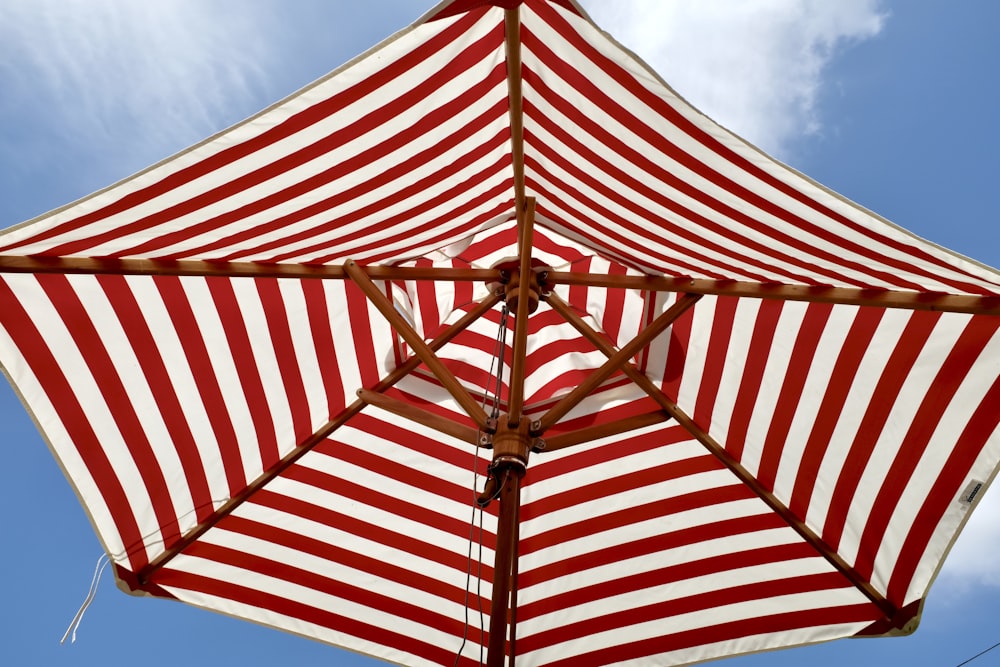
(417, 344)
(881, 298)
(615, 362)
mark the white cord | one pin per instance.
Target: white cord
(102, 563)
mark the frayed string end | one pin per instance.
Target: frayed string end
(102, 563)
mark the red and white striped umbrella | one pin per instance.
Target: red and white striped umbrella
(723, 409)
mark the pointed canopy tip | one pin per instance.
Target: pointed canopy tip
(462, 6)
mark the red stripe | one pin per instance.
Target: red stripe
(426, 306)
(550, 201)
(911, 344)
(199, 365)
(607, 553)
(857, 342)
(405, 474)
(772, 625)
(344, 166)
(625, 445)
(461, 6)
(964, 354)
(280, 335)
(299, 122)
(361, 327)
(320, 322)
(315, 582)
(399, 228)
(673, 371)
(320, 617)
(667, 609)
(723, 318)
(235, 327)
(47, 371)
(647, 547)
(655, 137)
(945, 491)
(378, 498)
(664, 576)
(614, 307)
(656, 102)
(93, 351)
(752, 380)
(405, 576)
(154, 370)
(380, 534)
(400, 435)
(799, 364)
(690, 241)
(606, 488)
(541, 242)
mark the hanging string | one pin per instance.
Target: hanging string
(978, 655)
(479, 593)
(494, 385)
(102, 563)
(492, 393)
(105, 560)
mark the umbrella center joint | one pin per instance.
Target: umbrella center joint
(511, 445)
(511, 279)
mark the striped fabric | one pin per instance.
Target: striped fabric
(165, 396)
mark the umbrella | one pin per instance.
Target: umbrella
(789, 463)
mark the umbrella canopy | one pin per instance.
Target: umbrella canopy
(799, 411)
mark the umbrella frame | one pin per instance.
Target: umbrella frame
(513, 436)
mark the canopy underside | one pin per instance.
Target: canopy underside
(192, 342)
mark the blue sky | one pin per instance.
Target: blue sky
(893, 104)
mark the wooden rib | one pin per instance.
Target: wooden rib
(515, 104)
(401, 371)
(615, 362)
(734, 466)
(92, 265)
(417, 344)
(591, 433)
(883, 298)
(419, 415)
(525, 233)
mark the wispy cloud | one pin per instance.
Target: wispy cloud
(94, 68)
(973, 559)
(755, 66)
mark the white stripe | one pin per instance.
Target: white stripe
(674, 590)
(787, 604)
(265, 362)
(737, 353)
(821, 370)
(98, 413)
(595, 541)
(44, 413)
(902, 415)
(390, 52)
(782, 346)
(300, 329)
(223, 362)
(164, 334)
(933, 460)
(301, 595)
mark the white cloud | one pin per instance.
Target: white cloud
(754, 66)
(158, 73)
(973, 559)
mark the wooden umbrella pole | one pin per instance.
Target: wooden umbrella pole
(510, 498)
(511, 445)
